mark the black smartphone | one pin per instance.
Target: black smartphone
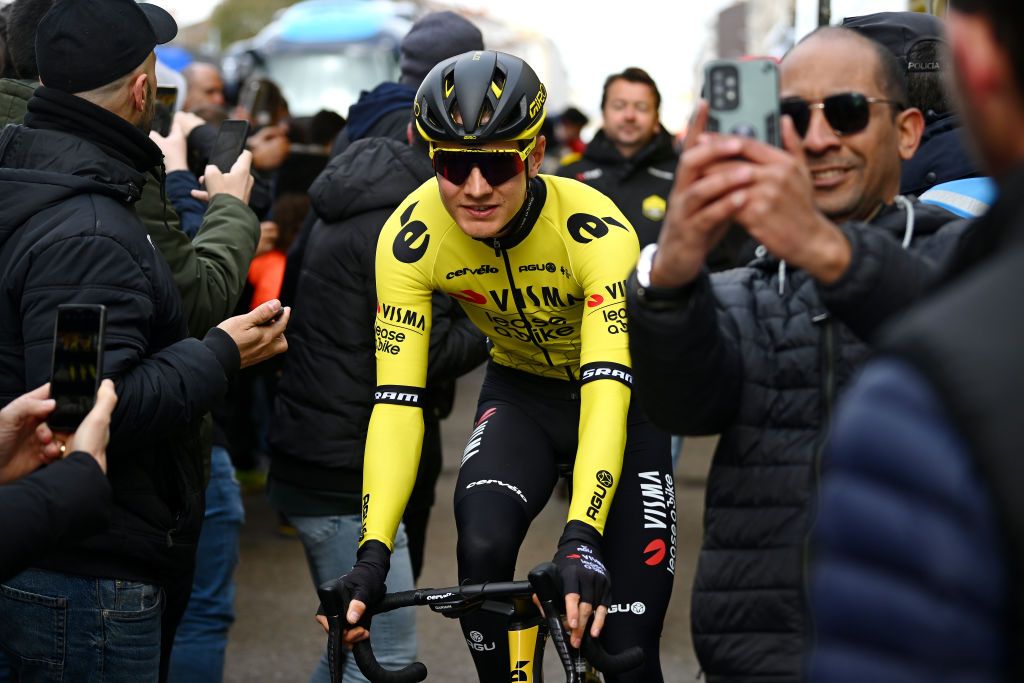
(229, 144)
(166, 104)
(744, 98)
(77, 363)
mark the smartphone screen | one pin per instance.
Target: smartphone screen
(77, 363)
(743, 98)
(166, 103)
(229, 144)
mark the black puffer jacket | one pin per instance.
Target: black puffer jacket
(326, 391)
(69, 234)
(758, 354)
(639, 185)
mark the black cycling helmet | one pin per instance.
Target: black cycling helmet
(496, 97)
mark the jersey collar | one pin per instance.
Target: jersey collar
(522, 223)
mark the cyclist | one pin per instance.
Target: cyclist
(538, 263)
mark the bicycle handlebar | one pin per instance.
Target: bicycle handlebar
(543, 581)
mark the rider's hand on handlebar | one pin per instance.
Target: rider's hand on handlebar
(365, 581)
(584, 579)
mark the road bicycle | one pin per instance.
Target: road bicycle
(528, 628)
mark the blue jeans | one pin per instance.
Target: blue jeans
(57, 627)
(202, 638)
(330, 544)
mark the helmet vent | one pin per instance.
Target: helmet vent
(486, 114)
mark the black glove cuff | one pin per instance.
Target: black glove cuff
(580, 532)
(375, 554)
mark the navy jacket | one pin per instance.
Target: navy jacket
(910, 582)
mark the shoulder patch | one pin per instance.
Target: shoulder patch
(653, 207)
(408, 246)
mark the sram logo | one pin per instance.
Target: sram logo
(611, 373)
(397, 396)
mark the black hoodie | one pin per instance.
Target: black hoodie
(69, 234)
(325, 395)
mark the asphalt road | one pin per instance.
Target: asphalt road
(276, 639)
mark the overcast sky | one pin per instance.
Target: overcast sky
(599, 37)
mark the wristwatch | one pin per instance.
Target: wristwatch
(657, 298)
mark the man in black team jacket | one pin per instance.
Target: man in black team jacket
(759, 353)
(631, 159)
(68, 234)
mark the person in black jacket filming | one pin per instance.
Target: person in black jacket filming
(57, 490)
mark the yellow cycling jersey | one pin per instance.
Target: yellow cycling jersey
(550, 296)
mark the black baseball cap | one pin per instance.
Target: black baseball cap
(900, 32)
(83, 44)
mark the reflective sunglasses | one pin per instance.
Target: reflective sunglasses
(496, 165)
(846, 113)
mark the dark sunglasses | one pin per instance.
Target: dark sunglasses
(496, 165)
(846, 113)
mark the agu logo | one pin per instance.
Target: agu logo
(605, 478)
(655, 553)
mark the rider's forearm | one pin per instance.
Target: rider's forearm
(393, 444)
(602, 441)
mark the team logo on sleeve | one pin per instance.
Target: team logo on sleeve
(412, 240)
(604, 483)
(584, 227)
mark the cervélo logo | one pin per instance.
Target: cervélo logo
(482, 270)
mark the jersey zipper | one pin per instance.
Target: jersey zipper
(499, 250)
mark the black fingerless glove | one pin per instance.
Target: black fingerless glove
(366, 578)
(580, 566)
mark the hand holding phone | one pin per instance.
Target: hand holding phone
(77, 368)
(238, 183)
(229, 144)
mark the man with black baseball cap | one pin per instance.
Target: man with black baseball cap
(918, 42)
(69, 180)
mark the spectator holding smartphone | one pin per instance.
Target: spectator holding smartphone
(759, 353)
(69, 497)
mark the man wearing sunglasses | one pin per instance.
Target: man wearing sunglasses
(538, 263)
(759, 353)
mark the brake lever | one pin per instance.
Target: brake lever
(544, 579)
